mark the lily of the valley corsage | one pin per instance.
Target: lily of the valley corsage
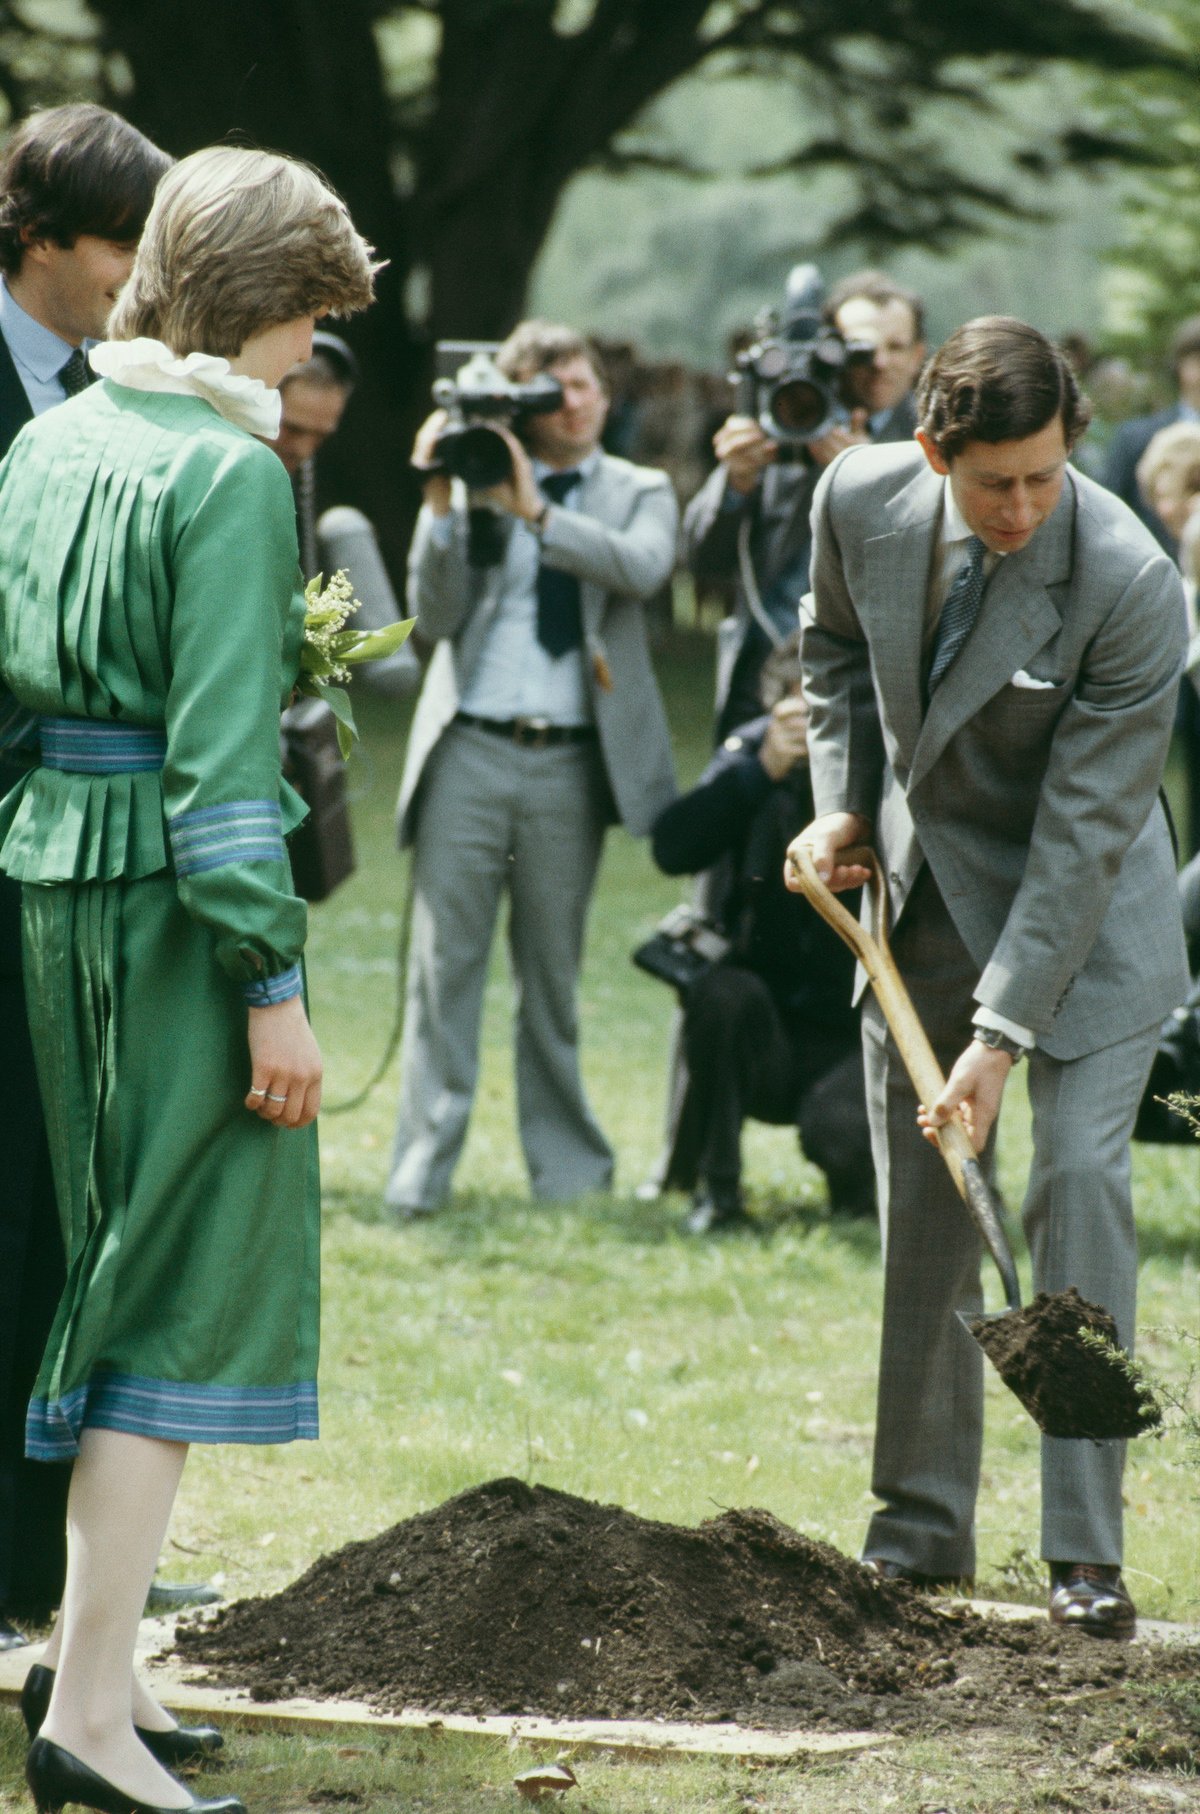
(330, 650)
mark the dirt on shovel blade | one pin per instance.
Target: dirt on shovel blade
(1068, 1387)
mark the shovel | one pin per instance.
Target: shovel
(1070, 1387)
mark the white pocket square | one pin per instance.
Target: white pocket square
(1031, 682)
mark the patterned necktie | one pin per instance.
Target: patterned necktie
(959, 611)
(559, 619)
(74, 375)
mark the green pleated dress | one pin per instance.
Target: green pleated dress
(150, 616)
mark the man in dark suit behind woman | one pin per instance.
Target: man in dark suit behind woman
(76, 184)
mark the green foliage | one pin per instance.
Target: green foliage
(1155, 281)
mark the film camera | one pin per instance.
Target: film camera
(476, 396)
(794, 379)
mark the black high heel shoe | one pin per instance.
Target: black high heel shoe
(174, 1748)
(56, 1778)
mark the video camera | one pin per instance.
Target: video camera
(794, 379)
(476, 395)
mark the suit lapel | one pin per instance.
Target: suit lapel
(15, 407)
(595, 500)
(1017, 618)
(897, 579)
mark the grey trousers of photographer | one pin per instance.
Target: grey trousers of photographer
(496, 819)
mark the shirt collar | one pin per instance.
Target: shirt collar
(39, 349)
(956, 529)
(585, 467)
(954, 525)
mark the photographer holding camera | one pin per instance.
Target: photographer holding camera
(538, 725)
(825, 374)
(769, 1032)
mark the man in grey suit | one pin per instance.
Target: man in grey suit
(539, 724)
(991, 650)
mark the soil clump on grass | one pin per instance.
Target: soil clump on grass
(1069, 1388)
(512, 1599)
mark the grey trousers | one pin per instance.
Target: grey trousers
(495, 818)
(1078, 1218)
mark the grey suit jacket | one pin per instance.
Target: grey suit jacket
(619, 539)
(1030, 782)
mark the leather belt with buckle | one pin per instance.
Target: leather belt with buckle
(530, 733)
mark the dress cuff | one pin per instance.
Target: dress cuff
(988, 1017)
(267, 991)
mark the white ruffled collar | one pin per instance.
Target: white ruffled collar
(148, 365)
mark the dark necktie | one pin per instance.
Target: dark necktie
(74, 375)
(559, 619)
(959, 611)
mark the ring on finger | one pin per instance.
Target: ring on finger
(256, 1092)
(271, 1098)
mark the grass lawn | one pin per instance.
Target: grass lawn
(596, 1348)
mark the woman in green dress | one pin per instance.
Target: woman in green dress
(151, 618)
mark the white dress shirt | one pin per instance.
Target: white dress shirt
(515, 677)
(38, 353)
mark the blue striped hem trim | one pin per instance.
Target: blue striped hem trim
(267, 991)
(96, 746)
(210, 837)
(171, 1410)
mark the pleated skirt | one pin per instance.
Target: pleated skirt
(191, 1227)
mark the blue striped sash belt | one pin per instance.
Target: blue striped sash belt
(97, 746)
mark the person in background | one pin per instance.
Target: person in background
(755, 495)
(539, 723)
(1168, 483)
(746, 532)
(76, 184)
(315, 394)
(1168, 476)
(770, 1032)
(1130, 441)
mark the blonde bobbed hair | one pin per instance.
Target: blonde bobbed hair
(1174, 452)
(237, 241)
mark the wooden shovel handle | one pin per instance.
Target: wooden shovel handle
(875, 956)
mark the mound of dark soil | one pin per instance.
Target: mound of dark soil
(1069, 1387)
(519, 1599)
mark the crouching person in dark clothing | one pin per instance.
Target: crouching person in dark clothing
(769, 1032)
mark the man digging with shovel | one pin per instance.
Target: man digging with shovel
(991, 649)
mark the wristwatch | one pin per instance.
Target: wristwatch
(997, 1041)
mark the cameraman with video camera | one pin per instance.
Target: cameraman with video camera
(824, 374)
(539, 724)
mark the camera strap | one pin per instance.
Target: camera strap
(753, 596)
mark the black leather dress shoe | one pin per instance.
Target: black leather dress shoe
(930, 1584)
(56, 1778)
(178, 1746)
(10, 1637)
(714, 1212)
(1091, 1597)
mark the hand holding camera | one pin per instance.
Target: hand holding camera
(786, 740)
(435, 480)
(746, 450)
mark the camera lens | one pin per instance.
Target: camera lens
(799, 407)
(475, 454)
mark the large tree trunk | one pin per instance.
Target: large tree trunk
(282, 74)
